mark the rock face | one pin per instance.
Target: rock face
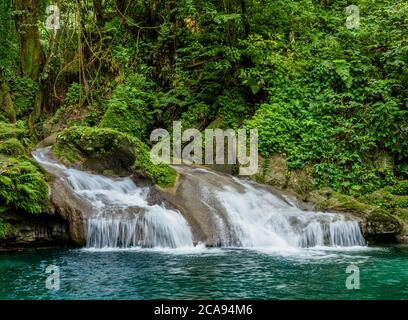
(71, 208)
(187, 197)
(34, 231)
(377, 224)
(381, 226)
(63, 224)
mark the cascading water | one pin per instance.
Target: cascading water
(255, 217)
(122, 217)
(261, 219)
(244, 214)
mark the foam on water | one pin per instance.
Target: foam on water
(122, 217)
(253, 218)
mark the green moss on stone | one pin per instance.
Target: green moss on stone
(12, 147)
(380, 222)
(106, 149)
(22, 185)
(8, 131)
(327, 199)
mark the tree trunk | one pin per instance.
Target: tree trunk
(245, 18)
(30, 49)
(97, 5)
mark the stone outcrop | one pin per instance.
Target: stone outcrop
(71, 208)
(25, 230)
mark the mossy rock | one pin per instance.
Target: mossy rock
(23, 185)
(381, 225)
(107, 150)
(402, 213)
(387, 198)
(273, 170)
(327, 199)
(12, 147)
(8, 131)
(377, 224)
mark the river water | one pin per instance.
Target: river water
(200, 273)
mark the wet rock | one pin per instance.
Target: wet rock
(202, 213)
(71, 208)
(377, 224)
(381, 226)
(273, 170)
(24, 230)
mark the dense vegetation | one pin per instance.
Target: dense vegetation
(333, 100)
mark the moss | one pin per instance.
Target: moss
(128, 110)
(12, 147)
(108, 149)
(327, 199)
(380, 222)
(6, 103)
(22, 185)
(67, 154)
(402, 213)
(385, 198)
(8, 130)
(24, 93)
(124, 118)
(3, 227)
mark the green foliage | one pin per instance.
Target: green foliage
(335, 98)
(400, 189)
(128, 110)
(8, 130)
(22, 185)
(3, 228)
(75, 143)
(24, 92)
(75, 94)
(8, 42)
(12, 147)
(327, 97)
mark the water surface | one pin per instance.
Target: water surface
(201, 273)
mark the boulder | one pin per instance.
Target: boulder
(71, 208)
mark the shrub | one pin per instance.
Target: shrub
(24, 92)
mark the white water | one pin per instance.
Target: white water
(261, 219)
(122, 217)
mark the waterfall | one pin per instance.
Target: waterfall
(122, 217)
(239, 213)
(261, 219)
